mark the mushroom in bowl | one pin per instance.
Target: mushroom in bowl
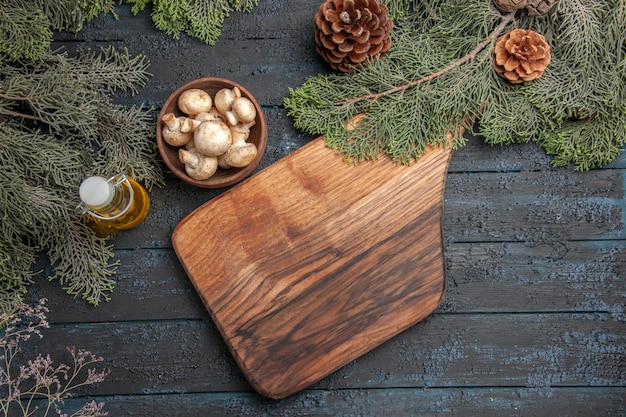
(211, 134)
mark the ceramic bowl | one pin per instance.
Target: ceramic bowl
(223, 177)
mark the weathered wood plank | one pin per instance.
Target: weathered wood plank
(533, 321)
(478, 156)
(484, 200)
(586, 276)
(270, 19)
(536, 207)
(432, 402)
(445, 350)
(267, 76)
(283, 56)
(482, 277)
(150, 285)
(267, 51)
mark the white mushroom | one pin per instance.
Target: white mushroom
(242, 111)
(194, 101)
(191, 146)
(221, 162)
(212, 138)
(210, 116)
(240, 153)
(224, 98)
(177, 131)
(197, 166)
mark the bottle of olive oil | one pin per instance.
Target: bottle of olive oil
(113, 204)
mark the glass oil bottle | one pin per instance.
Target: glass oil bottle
(113, 204)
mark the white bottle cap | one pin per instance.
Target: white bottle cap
(96, 192)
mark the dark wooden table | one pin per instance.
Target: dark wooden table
(533, 322)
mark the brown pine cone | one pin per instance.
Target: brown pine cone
(533, 7)
(347, 32)
(521, 55)
(509, 5)
(539, 7)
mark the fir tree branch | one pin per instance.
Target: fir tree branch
(13, 98)
(58, 125)
(26, 26)
(576, 111)
(506, 19)
(201, 19)
(21, 115)
(88, 275)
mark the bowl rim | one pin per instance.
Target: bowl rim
(238, 174)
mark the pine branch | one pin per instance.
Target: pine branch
(245, 6)
(69, 15)
(206, 19)
(15, 273)
(109, 69)
(438, 77)
(202, 19)
(67, 93)
(402, 125)
(126, 139)
(465, 59)
(26, 25)
(88, 275)
(20, 115)
(57, 126)
(24, 30)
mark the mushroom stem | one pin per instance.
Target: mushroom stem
(177, 131)
(171, 121)
(242, 111)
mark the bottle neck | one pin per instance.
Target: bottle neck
(105, 199)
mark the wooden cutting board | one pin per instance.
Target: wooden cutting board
(312, 262)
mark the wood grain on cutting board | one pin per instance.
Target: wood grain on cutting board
(313, 262)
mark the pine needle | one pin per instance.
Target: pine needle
(437, 78)
(201, 19)
(57, 126)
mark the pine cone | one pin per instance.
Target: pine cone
(521, 55)
(347, 32)
(539, 7)
(533, 7)
(509, 5)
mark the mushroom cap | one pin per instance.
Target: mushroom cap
(244, 109)
(211, 115)
(221, 162)
(241, 155)
(177, 131)
(194, 101)
(197, 166)
(224, 98)
(212, 138)
(176, 137)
